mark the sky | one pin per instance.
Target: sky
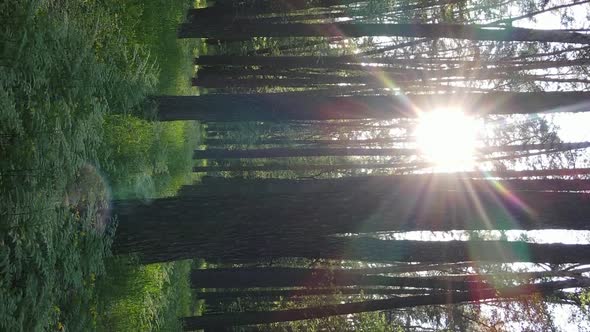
(573, 127)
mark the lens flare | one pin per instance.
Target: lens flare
(448, 138)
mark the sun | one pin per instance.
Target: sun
(448, 138)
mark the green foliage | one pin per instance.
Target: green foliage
(55, 93)
(71, 75)
(151, 25)
(147, 159)
(364, 322)
(144, 159)
(143, 298)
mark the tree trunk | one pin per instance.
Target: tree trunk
(300, 277)
(231, 186)
(274, 18)
(312, 142)
(373, 250)
(409, 206)
(220, 82)
(288, 167)
(252, 9)
(376, 78)
(263, 317)
(301, 152)
(240, 227)
(354, 62)
(248, 277)
(292, 293)
(345, 152)
(289, 47)
(470, 32)
(409, 268)
(290, 106)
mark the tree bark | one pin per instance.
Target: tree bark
(231, 186)
(344, 152)
(311, 142)
(354, 62)
(250, 318)
(220, 82)
(240, 227)
(410, 206)
(376, 79)
(248, 277)
(373, 250)
(293, 293)
(458, 31)
(300, 277)
(253, 9)
(288, 48)
(294, 168)
(290, 106)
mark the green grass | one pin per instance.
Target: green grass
(151, 159)
(73, 75)
(154, 156)
(144, 298)
(56, 90)
(156, 159)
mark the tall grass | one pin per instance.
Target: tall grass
(55, 90)
(145, 160)
(73, 76)
(144, 298)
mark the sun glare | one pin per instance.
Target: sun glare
(448, 138)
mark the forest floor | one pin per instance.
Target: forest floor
(74, 77)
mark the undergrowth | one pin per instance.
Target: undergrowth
(74, 77)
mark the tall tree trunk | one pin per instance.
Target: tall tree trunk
(299, 277)
(269, 18)
(253, 9)
(240, 227)
(220, 82)
(300, 152)
(459, 31)
(375, 78)
(290, 106)
(294, 168)
(289, 47)
(310, 142)
(292, 293)
(343, 152)
(354, 62)
(249, 318)
(373, 250)
(412, 205)
(248, 277)
(231, 186)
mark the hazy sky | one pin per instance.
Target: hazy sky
(573, 127)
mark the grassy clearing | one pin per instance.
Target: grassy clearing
(72, 76)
